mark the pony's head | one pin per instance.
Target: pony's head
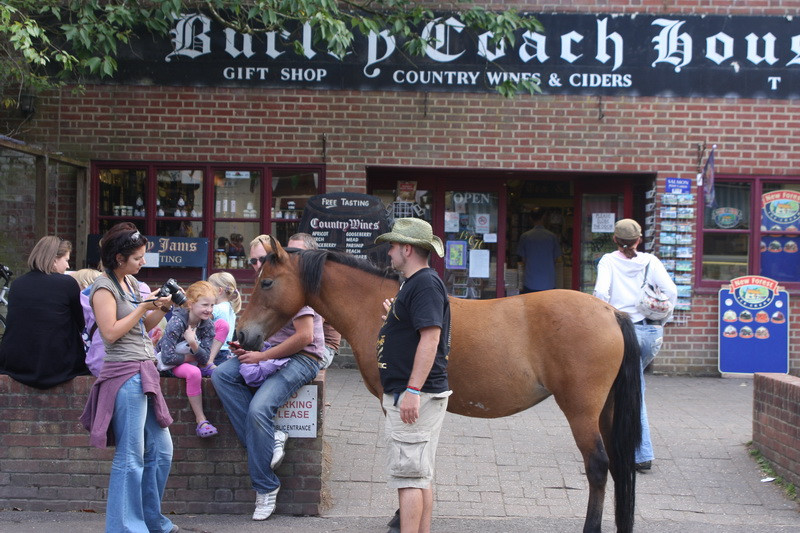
(277, 296)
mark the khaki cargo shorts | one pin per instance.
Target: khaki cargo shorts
(411, 448)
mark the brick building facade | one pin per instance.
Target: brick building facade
(366, 141)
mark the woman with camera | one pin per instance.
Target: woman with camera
(620, 276)
(42, 346)
(126, 406)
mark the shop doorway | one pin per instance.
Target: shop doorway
(469, 216)
(481, 216)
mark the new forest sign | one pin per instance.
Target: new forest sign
(638, 55)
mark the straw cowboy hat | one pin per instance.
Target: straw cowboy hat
(413, 231)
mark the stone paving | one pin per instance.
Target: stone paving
(527, 465)
(524, 473)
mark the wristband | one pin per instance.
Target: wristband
(413, 390)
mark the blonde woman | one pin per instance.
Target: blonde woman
(42, 346)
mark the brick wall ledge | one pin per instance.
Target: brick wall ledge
(776, 422)
(46, 462)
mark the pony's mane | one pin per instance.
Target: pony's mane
(312, 263)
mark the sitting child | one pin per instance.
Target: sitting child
(229, 302)
(186, 347)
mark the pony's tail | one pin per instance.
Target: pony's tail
(626, 427)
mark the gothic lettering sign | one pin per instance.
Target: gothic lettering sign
(670, 55)
(347, 222)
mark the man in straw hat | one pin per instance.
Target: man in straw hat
(413, 344)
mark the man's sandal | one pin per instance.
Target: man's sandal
(205, 429)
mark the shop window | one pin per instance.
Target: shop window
(290, 192)
(237, 208)
(179, 203)
(122, 195)
(750, 226)
(780, 221)
(230, 205)
(726, 239)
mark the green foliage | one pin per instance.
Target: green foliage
(766, 467)
(44, 43)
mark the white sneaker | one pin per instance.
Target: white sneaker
(278, 450)
(265, 504)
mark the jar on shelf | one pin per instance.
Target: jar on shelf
(220, 258)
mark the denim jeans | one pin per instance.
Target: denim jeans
(141, 464)
(251, 413)
(650, 338)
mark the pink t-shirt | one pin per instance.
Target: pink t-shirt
(317, 346)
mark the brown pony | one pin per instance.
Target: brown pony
(507, 355)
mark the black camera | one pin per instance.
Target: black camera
(171, 288)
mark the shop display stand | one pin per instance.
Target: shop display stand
(670, 237)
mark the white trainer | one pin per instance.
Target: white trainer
(278, 450)
(265, 504)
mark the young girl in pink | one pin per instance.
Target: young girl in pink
(186, 347)
(229, 302)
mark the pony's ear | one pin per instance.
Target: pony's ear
(280, 253)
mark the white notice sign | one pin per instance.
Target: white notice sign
(151, 260)
(479, 263)
(603, 222)
(482, 223)
(450, 222)
(298, 416)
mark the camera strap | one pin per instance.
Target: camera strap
(128, 297)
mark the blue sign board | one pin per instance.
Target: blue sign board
(753, 327)
(172, 251)
(678, 186)
(780, 217)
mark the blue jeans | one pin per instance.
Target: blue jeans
(650, 339)
(251, 413)
(222, 356)
(141, 464)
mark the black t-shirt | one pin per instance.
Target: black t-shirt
(420, 303)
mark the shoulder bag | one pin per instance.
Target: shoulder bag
(652, 303)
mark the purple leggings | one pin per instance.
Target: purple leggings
(191, 373)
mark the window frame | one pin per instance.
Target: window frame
(208, 218)
(707, 286)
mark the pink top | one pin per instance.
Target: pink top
(317, 346)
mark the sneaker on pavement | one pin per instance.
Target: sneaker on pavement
(278, 451)
(265, 504)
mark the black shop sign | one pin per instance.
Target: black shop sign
(669, 55)
(347, 222)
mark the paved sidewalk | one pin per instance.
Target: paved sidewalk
(524, 473)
